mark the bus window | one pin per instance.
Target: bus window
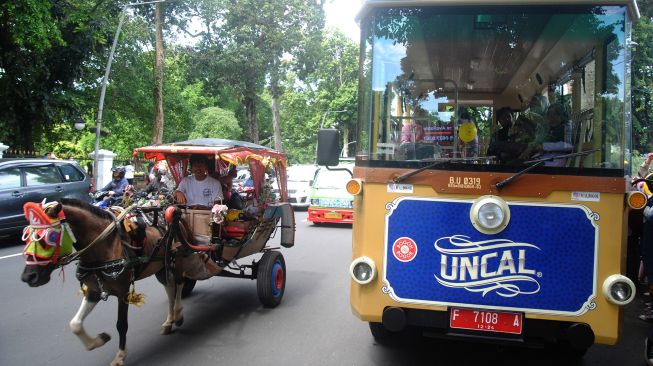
(425, 67)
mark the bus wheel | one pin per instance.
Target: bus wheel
(379, 332)
(271, 278)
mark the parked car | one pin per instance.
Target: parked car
(330, 201)
(32, 180)
(300, 179)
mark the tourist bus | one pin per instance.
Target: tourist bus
(475, 228)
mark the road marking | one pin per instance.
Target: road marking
(13, 255)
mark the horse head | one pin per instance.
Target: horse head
(47, 239)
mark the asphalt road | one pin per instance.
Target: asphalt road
(226, 325)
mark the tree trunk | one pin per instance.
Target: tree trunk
(27, 132)
(345, 141)
(250, 108)
(157, 130)
(276, 117)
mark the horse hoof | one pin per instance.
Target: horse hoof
(166, 329)
(104, 337)
(179, 322)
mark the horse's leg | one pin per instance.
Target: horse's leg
(77, 323)
(170, 287)
(179, 317)
(122, 326)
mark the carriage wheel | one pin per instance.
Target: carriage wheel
(189, 285)
(271, 278)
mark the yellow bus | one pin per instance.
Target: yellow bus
(491, 173)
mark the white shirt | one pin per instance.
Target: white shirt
(200, 192)
(129, 171)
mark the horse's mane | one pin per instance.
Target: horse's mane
(87, 207)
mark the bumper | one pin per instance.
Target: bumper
(333, 215)
(299, 201)
(535, 332)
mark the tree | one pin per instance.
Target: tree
(247, 46)
(45, 48)
(642, 79)
(216, 122)
(332, 86)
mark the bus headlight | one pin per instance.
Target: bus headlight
(619, 289)
(362, 270)
(489, 214)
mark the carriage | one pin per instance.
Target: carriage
(180, 244)
(224, 234)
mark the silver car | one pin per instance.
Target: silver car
(300, 179)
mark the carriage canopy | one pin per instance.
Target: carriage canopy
(225, 154)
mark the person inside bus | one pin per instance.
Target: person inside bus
(553, 138)
(413, 137)
(536, 111)
(504, 123)
(198, 189)
(501, 135)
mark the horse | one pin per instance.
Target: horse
(110, 260)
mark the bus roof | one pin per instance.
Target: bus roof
(369, 4)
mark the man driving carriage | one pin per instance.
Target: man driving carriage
(199, 188)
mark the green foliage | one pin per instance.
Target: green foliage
(332, 86)
(47, 48)
(642, 79)
(216, 122)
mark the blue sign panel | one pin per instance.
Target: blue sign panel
(544, 261)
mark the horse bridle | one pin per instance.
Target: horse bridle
(55, 261)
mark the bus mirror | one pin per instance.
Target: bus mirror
(328, 147)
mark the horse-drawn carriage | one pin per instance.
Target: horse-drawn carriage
(117, 247)
(227, 233)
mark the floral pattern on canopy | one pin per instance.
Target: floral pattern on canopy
(223, 152)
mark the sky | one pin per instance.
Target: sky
(341, 14)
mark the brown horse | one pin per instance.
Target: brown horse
(110, 260)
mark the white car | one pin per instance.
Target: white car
(300, 179)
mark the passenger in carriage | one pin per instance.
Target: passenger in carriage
(198, 189)
(231, 197)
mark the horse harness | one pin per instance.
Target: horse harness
(113, 269)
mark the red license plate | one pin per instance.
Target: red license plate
(487, 321)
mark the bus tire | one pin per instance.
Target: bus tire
(379, 332)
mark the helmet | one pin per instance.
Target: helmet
(120, 170)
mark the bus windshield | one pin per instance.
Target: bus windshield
(495, 88)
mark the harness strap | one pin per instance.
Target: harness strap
(103, 235)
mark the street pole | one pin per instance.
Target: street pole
(103, 91)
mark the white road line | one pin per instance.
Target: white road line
(12, 255)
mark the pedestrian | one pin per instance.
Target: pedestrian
(129, 172)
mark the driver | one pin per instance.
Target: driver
(198, 188)
(118, 183)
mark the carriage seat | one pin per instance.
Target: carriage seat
(198, 222)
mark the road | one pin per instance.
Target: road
(226, 325)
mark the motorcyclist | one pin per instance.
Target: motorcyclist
(160, 181)
(118, 182)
